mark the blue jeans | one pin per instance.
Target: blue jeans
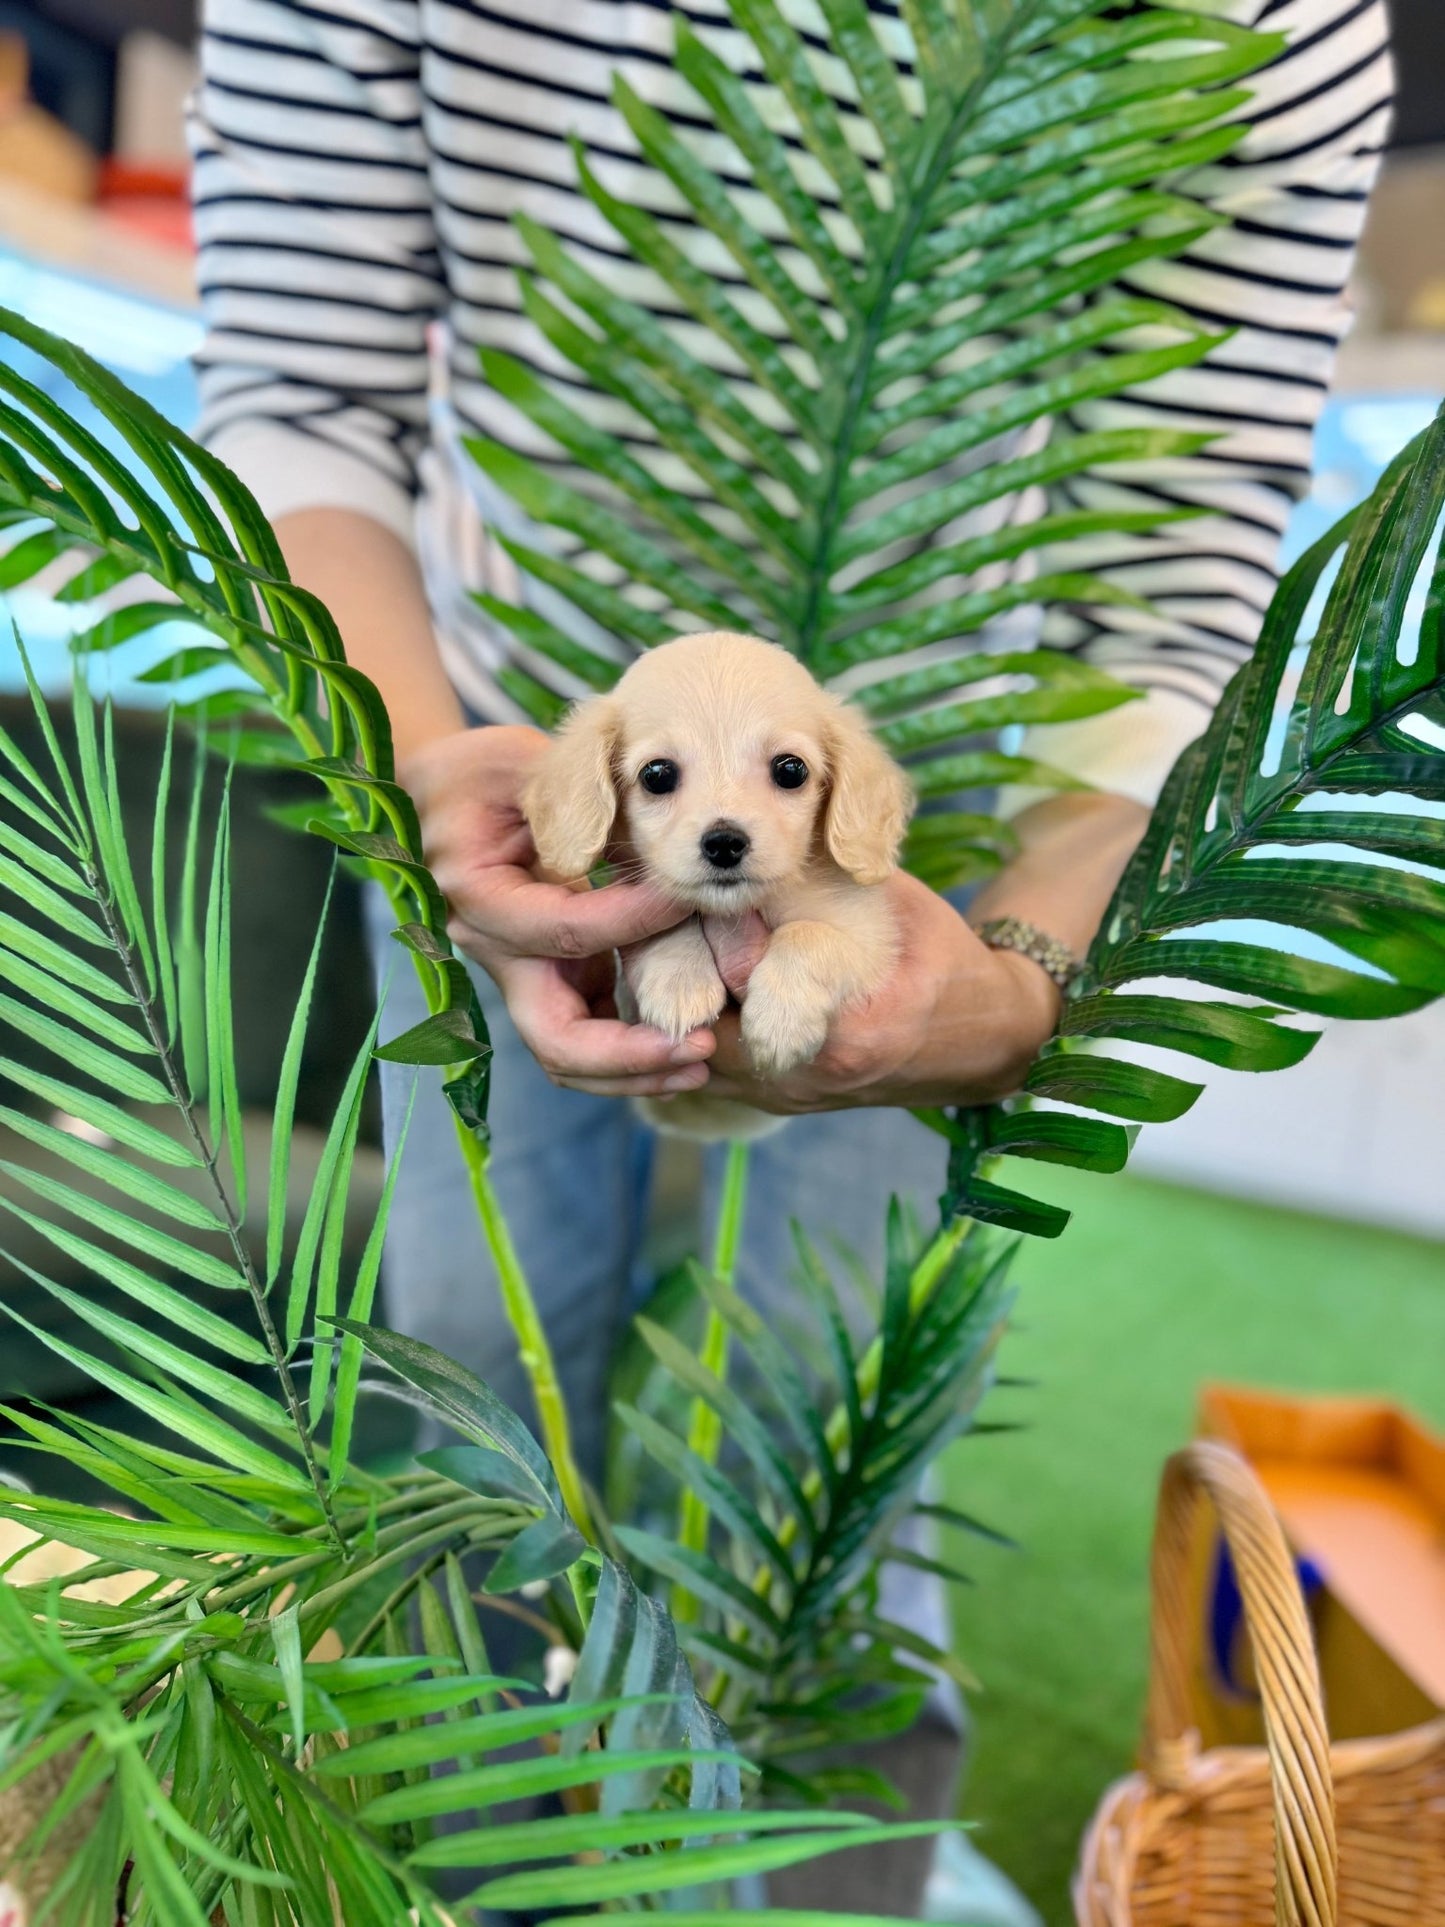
(573, 1175)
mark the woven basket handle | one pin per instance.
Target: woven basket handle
(1284, 1656)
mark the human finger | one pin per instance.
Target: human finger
(729, 1059)
(674, 1084)
(535, 919)
(759, 1094)
(558, 1027)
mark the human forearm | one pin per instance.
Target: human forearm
(370, 581)
(1072, 851)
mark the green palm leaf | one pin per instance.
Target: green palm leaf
(1270, 871)
(178, 516)
(173, 513)
(307, 1795)
(895, 344)
(630, 1647)
(783, 1590)
(241, 1698)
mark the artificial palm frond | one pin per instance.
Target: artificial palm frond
(129, 1007)
(176, 515)
(823, 1467)
(266, 1785)
(1295, 855)
(876, 356)
(857, 381)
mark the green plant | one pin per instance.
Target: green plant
(244, 1724)
(1270, 820)
(310, 1542)
(264, 1486)
(231, 1763)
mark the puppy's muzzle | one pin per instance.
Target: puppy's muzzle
(724, 845)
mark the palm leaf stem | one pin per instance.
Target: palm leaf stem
(270, 1578)
(519, 1303)
(273, 1577)
(705, 1427)
(534, 1350)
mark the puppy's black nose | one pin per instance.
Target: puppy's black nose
(724, 845)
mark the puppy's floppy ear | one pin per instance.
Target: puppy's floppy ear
(570, 800)
(869, 801)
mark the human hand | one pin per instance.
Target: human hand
(548, 946)
(954, 1023)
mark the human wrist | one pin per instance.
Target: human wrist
(370, 581)
(1017, 935)
(995, 1017)
(1072, 850)
(1035, 997)
(417, 751)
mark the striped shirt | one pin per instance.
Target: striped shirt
(357, 167)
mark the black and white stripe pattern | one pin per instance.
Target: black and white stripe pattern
(358, 163)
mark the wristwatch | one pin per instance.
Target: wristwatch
(1055, 959)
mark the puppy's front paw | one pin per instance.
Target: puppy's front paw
(783, 1028)
(680, 1005)
(676, 986)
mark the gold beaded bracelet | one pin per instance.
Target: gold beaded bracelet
(1052, 957)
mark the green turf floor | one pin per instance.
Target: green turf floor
(1150, 1290)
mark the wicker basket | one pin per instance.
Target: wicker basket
(1294, 1832)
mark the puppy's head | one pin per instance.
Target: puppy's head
(726, 768)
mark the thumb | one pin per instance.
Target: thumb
(550, 920)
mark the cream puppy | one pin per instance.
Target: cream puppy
(719, 768)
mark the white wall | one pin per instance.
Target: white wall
(1357, 1130)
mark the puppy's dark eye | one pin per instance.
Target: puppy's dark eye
(789, 772)
(659, 778)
